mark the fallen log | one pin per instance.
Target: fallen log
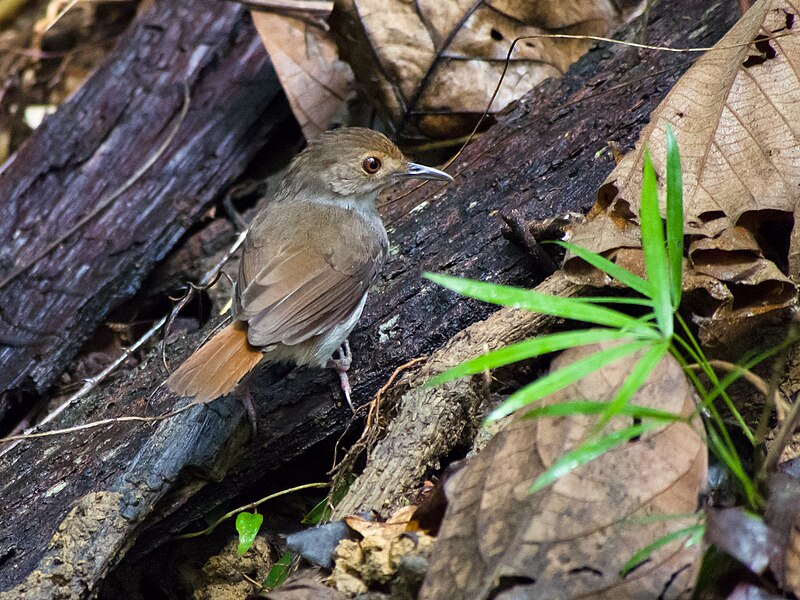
(542, 158)
(86, 215)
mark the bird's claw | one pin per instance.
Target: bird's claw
(342, 365)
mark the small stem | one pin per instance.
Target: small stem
(252, 505)
(719, 389)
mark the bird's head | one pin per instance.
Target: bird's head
(353, 163)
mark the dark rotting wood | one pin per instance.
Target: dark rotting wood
(93, 145)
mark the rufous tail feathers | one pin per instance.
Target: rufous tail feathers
(216, 367)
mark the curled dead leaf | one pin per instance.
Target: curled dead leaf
(733, 114)
(388, 554)
(315, 81)
(571, 540)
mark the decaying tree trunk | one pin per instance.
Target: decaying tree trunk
(74, 504)
(101, 138)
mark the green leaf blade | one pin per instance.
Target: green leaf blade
(634, 381)
(587, 452)
(279, 572)
(674, 217)
(528, 349)
(655, 258)
(591, 407)
(556, 380)
(693, 534)
(566, 308)
(247, 525)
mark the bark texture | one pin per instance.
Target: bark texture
(98, 141)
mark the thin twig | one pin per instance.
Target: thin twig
(369, 435)
(90, 425)
(236, 511)
(206, 281)
(375, 405)
(507, 61)
(91, 383)
(61, 13)
(250, 580)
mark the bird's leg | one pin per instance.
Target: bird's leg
(246, 396)
(342, 365)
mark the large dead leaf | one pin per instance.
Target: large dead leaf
(432, 65)
(572, 539)
(316, 82)
(735, 115)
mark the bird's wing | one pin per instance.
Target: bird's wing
(300, 291)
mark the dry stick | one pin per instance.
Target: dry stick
(206, 281)
(60, 14)
(250, 580)
(90, 425)
(236, 511)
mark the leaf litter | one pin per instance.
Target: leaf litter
(734, 114)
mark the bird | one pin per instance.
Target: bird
(308, 260)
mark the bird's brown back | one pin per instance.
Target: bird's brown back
(305, 269)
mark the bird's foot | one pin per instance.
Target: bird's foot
(342, 365)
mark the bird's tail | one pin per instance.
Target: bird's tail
(217, 366)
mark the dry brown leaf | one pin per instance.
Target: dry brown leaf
(572, 539)
(376, 559)
(316, 82)
(735, 115)
(432, 66)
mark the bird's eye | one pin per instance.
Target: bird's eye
(371, 165)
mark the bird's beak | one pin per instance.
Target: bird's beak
(415, 171)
